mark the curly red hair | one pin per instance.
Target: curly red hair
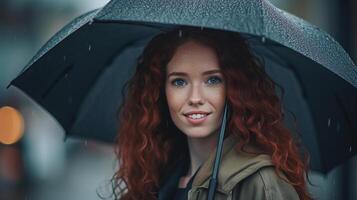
(147, 136)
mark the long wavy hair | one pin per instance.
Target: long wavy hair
(148, 140)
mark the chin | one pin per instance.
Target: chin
(198, 133)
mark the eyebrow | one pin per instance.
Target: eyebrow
(185, 74)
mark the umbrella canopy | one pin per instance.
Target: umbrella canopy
(78, 75)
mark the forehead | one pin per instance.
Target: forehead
(193, 57)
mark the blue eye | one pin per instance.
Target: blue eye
(214, 80)
(178, 82)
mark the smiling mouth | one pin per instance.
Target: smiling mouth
(197, 116)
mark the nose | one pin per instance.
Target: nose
(196, 97)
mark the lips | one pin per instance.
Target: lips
(196, 117)
(197, 112)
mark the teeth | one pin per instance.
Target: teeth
(196, 116)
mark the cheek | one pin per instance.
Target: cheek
(174, 99)
(217, 96)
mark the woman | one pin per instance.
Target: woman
(171, 117)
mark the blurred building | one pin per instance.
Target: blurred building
(42, 165)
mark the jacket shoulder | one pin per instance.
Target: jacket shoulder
(264, 184)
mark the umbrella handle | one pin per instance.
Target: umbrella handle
(217, 160)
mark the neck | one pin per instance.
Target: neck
(200, 149)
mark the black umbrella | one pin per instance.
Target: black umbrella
(78, 75)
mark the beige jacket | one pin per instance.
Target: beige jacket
(242, 176)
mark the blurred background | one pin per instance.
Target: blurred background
(42, 165)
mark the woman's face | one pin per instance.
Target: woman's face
(195, 90)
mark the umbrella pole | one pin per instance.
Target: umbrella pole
(217, 160)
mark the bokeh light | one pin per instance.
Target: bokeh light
(11, 125)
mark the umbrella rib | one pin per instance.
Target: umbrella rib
(348, 120)
(155, 25)
(289, 66)
(63, 73)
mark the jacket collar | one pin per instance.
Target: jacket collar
(234, 166)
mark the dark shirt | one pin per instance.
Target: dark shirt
(181, 193)
(169, 189)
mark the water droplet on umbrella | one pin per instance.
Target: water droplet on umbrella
(89, 47)
(328, 122)
(180, 33)
(263, 39)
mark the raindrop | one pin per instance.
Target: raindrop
(66, 75)
(89, 47)
(328, 122)
(180, 33)
(90, 22)
(202, 28)
(85, 142)
(64, 58)
(263, 39)
(350, 150)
